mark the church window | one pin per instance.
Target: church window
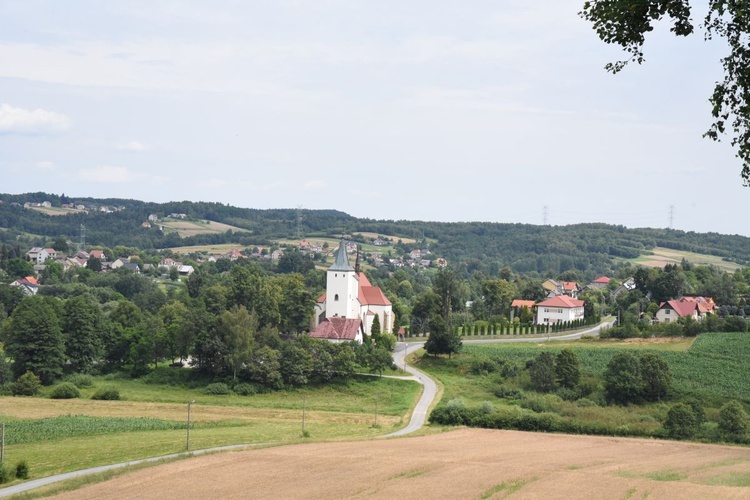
(336, 298)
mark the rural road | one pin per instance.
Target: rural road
(418, 416)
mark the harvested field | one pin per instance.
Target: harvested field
(466, 463)
(660, 257)
(191, 228)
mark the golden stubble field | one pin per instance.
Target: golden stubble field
(465, 463)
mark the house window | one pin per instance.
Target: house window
(666, 320)
(336, 298)
(667, 311)
(559, 311)
(546, 309)
(336, 275)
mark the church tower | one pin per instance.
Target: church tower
(342, 287)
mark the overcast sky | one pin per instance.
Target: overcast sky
(429, 110)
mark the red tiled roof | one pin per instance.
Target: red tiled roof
(602, 279)
(370, 295)
(322, 298)
(522, 303)
(337, 329)
(569, 285)
(681, 307)
(561, 301)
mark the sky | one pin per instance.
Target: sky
(496, 111)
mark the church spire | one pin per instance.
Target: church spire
(356, 263)
(342, 260)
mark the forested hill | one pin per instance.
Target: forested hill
(525, 248)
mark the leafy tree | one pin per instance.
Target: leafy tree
(237, 328)
(6, 374)
(567, 369)
(442, 340)
(656, 376)
(36, 342)
(61, 244)
(265, 367)
(94, 264)
(498, 293)
(296, 365)
(81, 325)
(681, 422)
(622, 379)
(53, 273)
(19, 268)
(733, 420)
(375, 327)
(446, 285)
(626, 24)
(294, 262)
(296, 304)
(173, 317)
(542, 372)
(344, 362)
(27, 384)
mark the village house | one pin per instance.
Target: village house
(28, 285)
(37, 255)
(559, 308)
(350, 297)
(599, 283)
(692, 306)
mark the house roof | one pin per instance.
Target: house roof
(561, 301)
(322, 298)
(337, 329)
(569, 285)
(342, 260)
(681, 307)
(370, 295)
(522, 303)
(602, 279)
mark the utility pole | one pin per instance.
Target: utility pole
(187, 443)
(304, 400)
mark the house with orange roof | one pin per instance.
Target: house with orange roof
(599, 283)
(557, 309)
(351, 296)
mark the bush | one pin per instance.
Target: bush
(244, 389)
(66, 390)
(483, 366)
(681, 422)
(5, 474)
(622, 379)
(107, 394)
(585, 403)
(81, 380)
(507, 393)
(732, 420)
(22, 470)
(542, 372)
(27, 384)
(217, 389)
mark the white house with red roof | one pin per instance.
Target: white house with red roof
(351, 296)
(559, 308)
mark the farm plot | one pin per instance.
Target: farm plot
(468, 463)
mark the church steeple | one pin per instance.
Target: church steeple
(342, 260)
(356, 263)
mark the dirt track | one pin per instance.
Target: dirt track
(467, 463)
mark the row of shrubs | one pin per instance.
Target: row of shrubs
(29, 384)
(684, 327)
(20, 471)
(455, 413)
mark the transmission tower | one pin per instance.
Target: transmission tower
(545, 212)
(671, 216)
(299, 222)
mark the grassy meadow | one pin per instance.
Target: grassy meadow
(61, 435)
(711, 368)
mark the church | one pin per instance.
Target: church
(347, 309)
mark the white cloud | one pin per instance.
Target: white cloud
(38, 121)
(45, 165)
(109, 174)
(135, 146)
(315, 185)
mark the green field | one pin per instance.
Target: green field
(56, 436)
(713, 370)
(659, 257)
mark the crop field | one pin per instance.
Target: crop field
(212, 249)
(56, 210)
(56, 436)
(715, 363)
(663, 256)
(464, 463)
(191, 228)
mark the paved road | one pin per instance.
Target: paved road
(418, 416)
